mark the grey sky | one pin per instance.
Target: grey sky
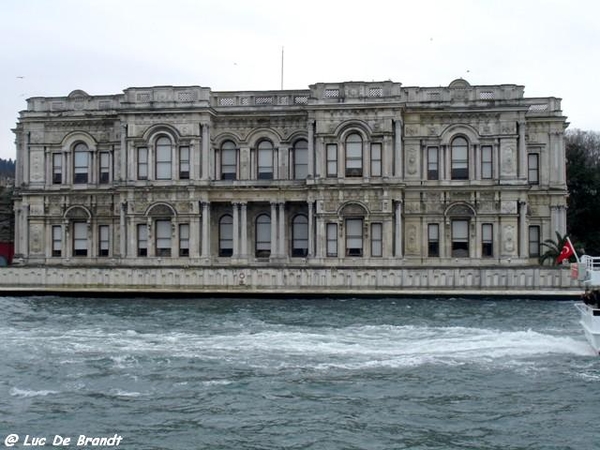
(52, 47)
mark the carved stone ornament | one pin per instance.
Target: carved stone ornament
(509, 238)
(411, 166)
(508, 160)
(411, 238)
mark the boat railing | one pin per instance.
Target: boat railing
(591, 262)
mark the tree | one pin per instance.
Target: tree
(583, 182)
(554, 247)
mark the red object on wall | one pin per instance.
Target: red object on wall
(7, 250)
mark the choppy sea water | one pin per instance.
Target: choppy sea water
(298, 374)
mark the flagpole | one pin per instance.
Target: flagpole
(574, 251)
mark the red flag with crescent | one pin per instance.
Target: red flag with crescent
(566, 252)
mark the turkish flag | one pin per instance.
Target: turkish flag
(566, 252)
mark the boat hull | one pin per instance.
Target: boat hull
(590, 322)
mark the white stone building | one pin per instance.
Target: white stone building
(344, 175)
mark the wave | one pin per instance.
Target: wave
(16, 392)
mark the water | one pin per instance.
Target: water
(298, 374)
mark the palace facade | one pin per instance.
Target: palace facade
(352, 174)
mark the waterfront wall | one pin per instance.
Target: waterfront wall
(293, 281)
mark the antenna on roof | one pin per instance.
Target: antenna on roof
(282, 68)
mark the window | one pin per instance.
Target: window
(354, 237)
(56, 168)
(226, 236)
(79, 239)
(228, 161)
(265, 160)
(300, 236)
(184, 239)
(142, 163)
(487, 240)
(376, 239)
(433, 163)
(375, 160)
(332, 241)
(56, 241)
(332, 160)
(263, 236)
(460, 159)
(163, 158)
(486, 162)
(460, 238)
(533, 160)
(354, 155)
(433, 240)
(80, 164)
(184, 163)
(103, 240)
(300, 156)
(104, 167)
(163, 238)
(534, 241)
(142, 240)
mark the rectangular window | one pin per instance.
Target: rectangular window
(265, 163)
(354, 237)
(79, 239)
(56, 168)
(354, 159)
(534, 241)
(433, 163)
(487, 240)
(433, 240)
(80, 166)
(56, 241)
(375, 160)
(104, 167)
(332, 160)
(533, 160)
(460, 161)
(142, 163)
(142, 240)
(300, 162)
(376, 239)
(163, 162)
(228, 164)
(332, 240)
(487, 166)
(184, 239)
(103, 240)
(460, 238)
(163, 238)
(184, 163)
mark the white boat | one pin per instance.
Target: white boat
(588, 270)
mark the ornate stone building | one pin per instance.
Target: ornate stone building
(353, 174)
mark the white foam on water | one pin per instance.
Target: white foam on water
(121, 393)
(16, 392)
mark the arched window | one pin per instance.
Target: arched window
(265, 160)
(300, 156)
(354, 151)
(163, 158)
(354, 237)
(300, 236)
(226, 236)
(228, 161)
(263, 236)
(163, 237)
(460, 159)
(81, 157)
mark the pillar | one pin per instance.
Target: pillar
(310, 230)
(311, 148)
(399, 153)
(282, 225)
(122, 230)
(273, 229)
(205, 251)
(123, 154)
(206, 167)
(523, 251)
(522, 151)
(244, 230)
(236, 229)
(398, 249)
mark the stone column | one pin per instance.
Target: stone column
(472, 161)
(207, 168)
(311, 242)
(205, 251)
(244, 230)
(311, 148)
(123, 153)
(151, 242)
(321, 238)
(398, 242)
(398, 151)
(194, 233)
(523, 251)
(122, 230)
(522, 151)
(282, 226)
(236, 229)
(66, 235)
(273, 229)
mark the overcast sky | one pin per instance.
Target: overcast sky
(52, 47)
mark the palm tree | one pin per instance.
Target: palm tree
(554, 247)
